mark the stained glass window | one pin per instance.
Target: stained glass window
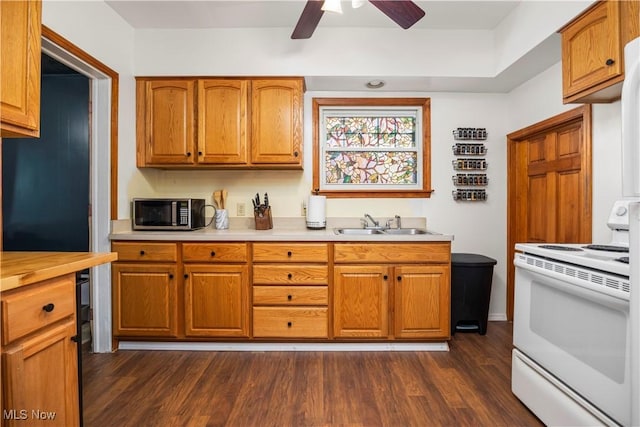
(371, 148)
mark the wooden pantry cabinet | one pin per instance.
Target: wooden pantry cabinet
(290, 290)
(391, 291)
(20, 38)
(593, 51)
(219, 122)
(39, 354)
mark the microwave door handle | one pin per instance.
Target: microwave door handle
(174, 213)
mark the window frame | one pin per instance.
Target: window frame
(354, 103)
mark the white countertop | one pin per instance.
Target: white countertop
(284, 229)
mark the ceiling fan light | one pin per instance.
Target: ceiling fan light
(357, 3)
(332, 6)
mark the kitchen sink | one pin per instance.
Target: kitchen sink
(370, 231)
(357, 231)
(406, 231)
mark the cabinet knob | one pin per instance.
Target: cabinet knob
(385, 277)
(289, 253)
(289, 324)
(141, 252)
(199, 153)
(295, 154)
(49, 307)
(188, 153)
(186, 276)
(289, 275)
(610, 62)
(213, 253)
(289, 297)
(170, 276)
(399, 278)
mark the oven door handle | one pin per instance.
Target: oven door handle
(572, 285)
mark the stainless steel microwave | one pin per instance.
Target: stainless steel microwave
(167, 214)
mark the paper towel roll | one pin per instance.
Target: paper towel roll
(316, 217)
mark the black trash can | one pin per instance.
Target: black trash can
(471, 276)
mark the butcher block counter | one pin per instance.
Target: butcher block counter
(25, 268)
(39, 335)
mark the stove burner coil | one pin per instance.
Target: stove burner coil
(561, 248)
(608, 248)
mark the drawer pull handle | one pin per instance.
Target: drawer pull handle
(610, 62)
(49, 307)
(141, 252)
(213, 253)
(289, 324)
(289, 253)
(289, 297)
(289, 275)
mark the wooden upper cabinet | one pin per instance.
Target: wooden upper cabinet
(165, 122)
(276, 122)
(222, 121)
(593, 51)
(20, 38)
(225, 123)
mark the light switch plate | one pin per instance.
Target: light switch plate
(240, 209)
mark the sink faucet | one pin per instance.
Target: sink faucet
(375, 223)
(398, 221)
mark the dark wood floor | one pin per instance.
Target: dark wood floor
(467, 386)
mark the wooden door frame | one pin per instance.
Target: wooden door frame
(515, 200)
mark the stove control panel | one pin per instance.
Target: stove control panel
(619, 215)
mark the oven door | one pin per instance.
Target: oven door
(577, 334)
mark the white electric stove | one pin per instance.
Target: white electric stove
(571, 361)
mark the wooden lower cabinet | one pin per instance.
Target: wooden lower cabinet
(382, 298)
(216, 300)
(361, 301)
(422, 301)
(39, 355)
(144, 300)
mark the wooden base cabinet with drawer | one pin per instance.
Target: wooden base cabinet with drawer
(380, 298)
(144, 290)
(39, 354)
(290, 290)
(216, 290)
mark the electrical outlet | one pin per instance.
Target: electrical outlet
(240, 209)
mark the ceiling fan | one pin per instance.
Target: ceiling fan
(402, 12)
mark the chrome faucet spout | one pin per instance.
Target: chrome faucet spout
(398, 221)
(373, 221)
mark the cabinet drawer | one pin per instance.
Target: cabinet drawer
(392, 253)
(145, 251)
(29, 309)
(290, 252)
(290, 322)
(290, 295)
(214, 252)
(290, 274)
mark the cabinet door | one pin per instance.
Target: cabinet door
(20, 68)
(276, 122)
(166, 121)
(222, 121)
(144, 300)
(40, 379)
(592, 49)
(361, 301)
(217, 300)
(422, 301)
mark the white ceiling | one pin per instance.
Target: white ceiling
(166, 14)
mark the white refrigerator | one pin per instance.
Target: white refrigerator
(631, 190)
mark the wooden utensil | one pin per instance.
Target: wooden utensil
(217, 199)
(225, 193)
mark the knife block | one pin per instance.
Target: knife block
(263, 219)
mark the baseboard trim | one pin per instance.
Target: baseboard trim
(215, 346)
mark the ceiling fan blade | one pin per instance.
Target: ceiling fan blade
(403, 13)
(308, 20)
